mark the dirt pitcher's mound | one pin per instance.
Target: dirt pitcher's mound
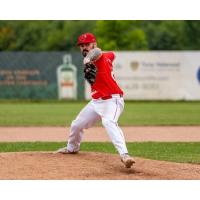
(85, 165)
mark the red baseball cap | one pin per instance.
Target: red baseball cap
(86, 38)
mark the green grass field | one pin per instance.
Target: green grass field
(62, 113)
(185, 152)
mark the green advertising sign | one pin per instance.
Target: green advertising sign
(33, 75)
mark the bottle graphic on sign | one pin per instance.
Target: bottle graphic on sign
(67, 79)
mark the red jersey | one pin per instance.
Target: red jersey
(105, 84)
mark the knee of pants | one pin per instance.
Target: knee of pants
(76, 125)
(107, 122)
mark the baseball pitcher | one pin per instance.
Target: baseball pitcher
(107, 101)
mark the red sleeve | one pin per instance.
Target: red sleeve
(110, 55)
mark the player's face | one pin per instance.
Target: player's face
(85, 48)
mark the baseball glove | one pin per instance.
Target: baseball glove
(90, 72)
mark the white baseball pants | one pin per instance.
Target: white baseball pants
(108, 111)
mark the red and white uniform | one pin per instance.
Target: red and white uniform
(105, 84)
(106, 105)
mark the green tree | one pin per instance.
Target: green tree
(192, 32)
(120, 35)
(164, 35)
(7, 38)
(42, 35)
(60, 35)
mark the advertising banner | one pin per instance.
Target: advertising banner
(33, 75)
(158, 75)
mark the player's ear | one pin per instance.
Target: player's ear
(95, 45)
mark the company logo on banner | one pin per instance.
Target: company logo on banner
(134, 65)
(198, 74)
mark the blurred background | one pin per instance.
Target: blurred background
(155, 60)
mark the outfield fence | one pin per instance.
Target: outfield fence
(143, 75)
(32, 75)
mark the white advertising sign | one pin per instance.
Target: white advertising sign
(158, 75)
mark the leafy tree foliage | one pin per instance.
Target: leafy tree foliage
(111, 35)
(120, 35)
(41, 35)
(165, 35)
(192, 35)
